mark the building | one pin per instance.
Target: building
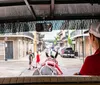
(63, 36)
(16, 45)
(81, 43)
(40, 42)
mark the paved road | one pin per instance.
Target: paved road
(20, 67)
(68, 65)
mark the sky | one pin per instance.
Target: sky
(50, 35)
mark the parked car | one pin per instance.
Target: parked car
(68, 52)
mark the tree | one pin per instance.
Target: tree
(69, 40)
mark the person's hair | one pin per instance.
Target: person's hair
(55, 55)
(30, 50)
(52, 56)
(98, 41)
(46, 54)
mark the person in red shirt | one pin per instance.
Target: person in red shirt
(91, 65)
(37, 59)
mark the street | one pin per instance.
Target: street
(14, 68)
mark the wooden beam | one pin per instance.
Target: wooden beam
(52, 8)
(30, 9)
(37, 2)
(56, 17)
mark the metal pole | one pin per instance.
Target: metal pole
(83, 45)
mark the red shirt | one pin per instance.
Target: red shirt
(38, 58)
(91, 65)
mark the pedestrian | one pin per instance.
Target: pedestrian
(37, 59)
(91, 65)
(31, 56)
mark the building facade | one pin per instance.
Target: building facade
(15, 46)
(82, 45)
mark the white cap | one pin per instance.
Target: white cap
(95, 29)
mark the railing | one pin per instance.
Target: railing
(77, 33)
(20, 33)
(51, 80)
(74, 33)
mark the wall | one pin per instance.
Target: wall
(15, 48)
(2, 49)
(20, 47)
(24, 45)
(88, 50)
(78, 46)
